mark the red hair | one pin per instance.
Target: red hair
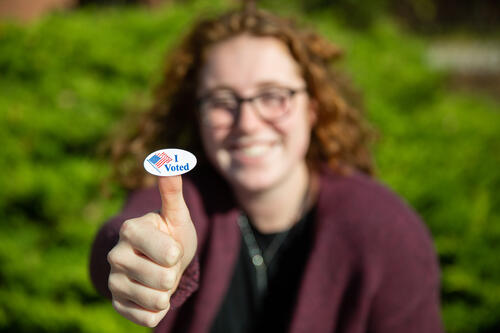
(340, 137)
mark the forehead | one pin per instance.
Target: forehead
(243, 63)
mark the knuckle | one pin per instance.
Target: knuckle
(181, 250)
(173, 254)
(128, 228)
(144, 318)
(151, 319)
(113, 257)
(162, 301)
(167, 279)
(113, 284)
(152, 216)
(118, 258)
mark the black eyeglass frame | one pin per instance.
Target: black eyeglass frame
(240, 100)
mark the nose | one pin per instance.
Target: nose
(248, 120)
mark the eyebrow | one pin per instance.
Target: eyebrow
(217, 89)
(225, 88)
(265, 84)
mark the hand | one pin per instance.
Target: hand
(150, 257)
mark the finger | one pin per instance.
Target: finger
(146, 238)
(122, 287)
(137, 267)
(137, 314)
(150, 274)
(173, 207)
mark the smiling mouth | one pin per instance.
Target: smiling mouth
(256, 150)
(252, 150)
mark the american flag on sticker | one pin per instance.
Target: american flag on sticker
(159, 159)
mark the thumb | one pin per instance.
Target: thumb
(173, 207)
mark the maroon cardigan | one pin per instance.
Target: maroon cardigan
(372, 266)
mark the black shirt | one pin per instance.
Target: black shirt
(240, 311)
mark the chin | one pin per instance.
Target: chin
(253, 180)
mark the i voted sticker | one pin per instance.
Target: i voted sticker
(169, 162)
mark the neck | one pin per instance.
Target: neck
(281, 206)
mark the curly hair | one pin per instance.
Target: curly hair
(340, 138)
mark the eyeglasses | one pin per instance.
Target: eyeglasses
(221, 109)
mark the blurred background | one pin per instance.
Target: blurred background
(429, 73)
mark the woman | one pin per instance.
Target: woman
(280, 227)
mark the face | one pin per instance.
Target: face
(255, 154)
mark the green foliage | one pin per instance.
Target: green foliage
(67, 80)
(64, 83)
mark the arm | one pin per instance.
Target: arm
(407, 299)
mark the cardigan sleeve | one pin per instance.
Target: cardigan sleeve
(408, 293)
(388, 245)
(138, 203)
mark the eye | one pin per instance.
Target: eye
(273, 98)
(222, 103)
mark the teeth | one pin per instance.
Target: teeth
(255, 150)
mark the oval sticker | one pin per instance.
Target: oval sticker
(169, 162)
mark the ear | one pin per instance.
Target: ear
(313, 109)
